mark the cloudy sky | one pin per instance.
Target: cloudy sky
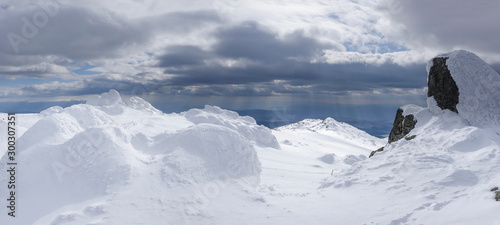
(338, 56)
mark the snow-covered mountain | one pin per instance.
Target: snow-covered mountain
(340, 131)
(118, 160)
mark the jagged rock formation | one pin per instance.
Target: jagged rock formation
(373, 152)
(442, 86)
(402, 126)
(497, 193)
(461, 82)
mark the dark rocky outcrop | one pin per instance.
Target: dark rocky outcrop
(402, 126)
(458, 81)
(410, 137)
(378, 150)
(497, 193)
(442, 86)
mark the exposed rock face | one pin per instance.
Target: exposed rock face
(497, 193)
(373, 152)
(402, 126)
(442, 86)
(462, 82)
(458, 81)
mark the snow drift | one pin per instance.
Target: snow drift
(98, 150)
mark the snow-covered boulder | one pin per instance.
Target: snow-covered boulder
(461, 82)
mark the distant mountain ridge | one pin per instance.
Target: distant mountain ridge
(332, 127)
(377, 127)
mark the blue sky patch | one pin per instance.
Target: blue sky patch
(85, 69)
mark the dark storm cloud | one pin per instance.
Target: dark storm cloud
(83, 34)
(183, 56)
(271, 64)
(76, 33)
(88, 86)
(246, 41)
(255, 73)
(307, 76)
(471, 25)
(253, 42)
(31, 73)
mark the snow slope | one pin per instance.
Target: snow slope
(442, 176)
(334, 145)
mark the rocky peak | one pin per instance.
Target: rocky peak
(402, 126)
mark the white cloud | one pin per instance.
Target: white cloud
(124, 38)
(401, 58)
(441, 26)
